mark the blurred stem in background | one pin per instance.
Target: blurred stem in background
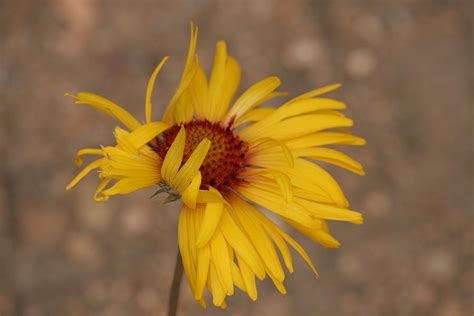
(175, 286)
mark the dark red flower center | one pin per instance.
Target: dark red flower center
(225, 157)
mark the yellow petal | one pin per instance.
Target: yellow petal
(174, 157)
(275, 203)
(189, 72)
(272, 95)
(318, 235)
(300, 251)
(203, 255)
(123, 142)
(99, 190)
(269, 144)
(83, 173)
(220, 258)
(128, 185)
(275, 230)
(87, 151)
(311, 195)
(254, 115)
(278, 284)
(108, 107)
(318, 91)
(192, 47)
(198, 93)
(184, 108)
(285, 252)
(124, 163)
(331, 156)
(296, 127)
(251, 98)
(248, 277)
(266, 184)
(202, 302)
(218, 294)
(149, 89)
(332, 112)
(237, 277)
(259, 239)
(325, 138)
(280, 178)
(229, 88)
(191, 167)
(193, 218)
(325, 211)
(255, 216)
(205, 196)
(306, 106)
(295, 108)
(241, 244)
(184, 247)
(223, 305)
(311, 177)
(212, 216)
(217, 81)
(259, 114)
(145, 133)
(190, 194)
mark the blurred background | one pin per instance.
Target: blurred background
(407, 71)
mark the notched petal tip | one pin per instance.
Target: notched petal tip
(358, 220)
(101, 199)
(253, 297)
(78, 161)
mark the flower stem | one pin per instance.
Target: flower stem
(174, 291)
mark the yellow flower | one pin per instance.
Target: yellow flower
(224, 159)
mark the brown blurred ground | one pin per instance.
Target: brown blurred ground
(407, 73)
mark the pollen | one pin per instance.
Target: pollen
(225, 158)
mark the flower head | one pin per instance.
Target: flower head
(224, 159)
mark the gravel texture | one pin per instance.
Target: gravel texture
(407, 71)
